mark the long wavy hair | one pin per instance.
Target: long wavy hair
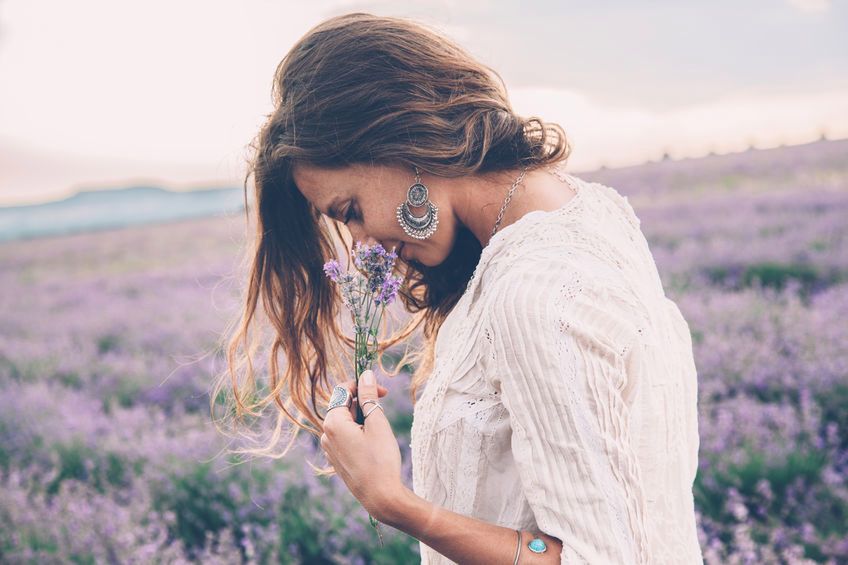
(357, 88)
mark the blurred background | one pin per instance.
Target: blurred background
(123, 137)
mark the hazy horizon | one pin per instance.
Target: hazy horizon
(88, 105)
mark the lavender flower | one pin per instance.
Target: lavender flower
(366, 293)
(95, 347)
(332, 269)
(388, 291)
(372, 284)
(375, 263)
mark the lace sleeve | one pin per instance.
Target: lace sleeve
(556, 351)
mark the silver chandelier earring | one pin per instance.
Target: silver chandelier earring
(419, 227)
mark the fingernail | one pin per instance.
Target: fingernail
(368, 377)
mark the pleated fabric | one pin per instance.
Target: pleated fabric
(564, 395)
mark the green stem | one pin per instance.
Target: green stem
(360, 418)
(379, 318)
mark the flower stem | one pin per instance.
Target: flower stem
(375, 523)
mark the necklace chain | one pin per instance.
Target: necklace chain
(500, 216)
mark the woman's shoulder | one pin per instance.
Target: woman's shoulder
(596, 230)
(553, 254)
(620, 201)
(565, 282)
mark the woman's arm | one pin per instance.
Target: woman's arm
(559, 338)
(463, 539)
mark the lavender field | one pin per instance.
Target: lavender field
(108, 342)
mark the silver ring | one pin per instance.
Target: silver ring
(341, 397)
(376, 405)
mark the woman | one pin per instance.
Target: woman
(558, 423)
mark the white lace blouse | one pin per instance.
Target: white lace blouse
(563, 398)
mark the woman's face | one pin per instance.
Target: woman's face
(366, 198)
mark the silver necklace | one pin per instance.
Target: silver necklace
(500, 217)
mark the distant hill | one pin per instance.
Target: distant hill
(89, 210)
(818, 164)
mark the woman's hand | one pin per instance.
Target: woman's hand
(367, 457)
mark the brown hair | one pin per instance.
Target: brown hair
(359, 88)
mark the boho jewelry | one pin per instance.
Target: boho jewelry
(500, 216)
(341, 397)
(419, 227)
(537, 545)
(376, 405)
(517, 548)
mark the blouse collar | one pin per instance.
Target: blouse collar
(505, 235)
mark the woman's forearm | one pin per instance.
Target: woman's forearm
(465, 540)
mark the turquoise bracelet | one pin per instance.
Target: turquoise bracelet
(536, 545)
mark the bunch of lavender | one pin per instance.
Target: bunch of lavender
(366, 292)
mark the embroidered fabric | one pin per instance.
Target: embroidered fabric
(563, 397)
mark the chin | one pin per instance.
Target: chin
(417, 263)
(410, 256)
(424, 253)
(424, 260)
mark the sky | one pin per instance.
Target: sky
(107, 93)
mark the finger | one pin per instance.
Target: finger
(352, 410)
(368, 391)
(381, 390)
(350, 385)
(340, 415)
(356, 402)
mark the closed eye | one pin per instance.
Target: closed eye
(349, 215)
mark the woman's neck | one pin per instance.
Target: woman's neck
(480, 200)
